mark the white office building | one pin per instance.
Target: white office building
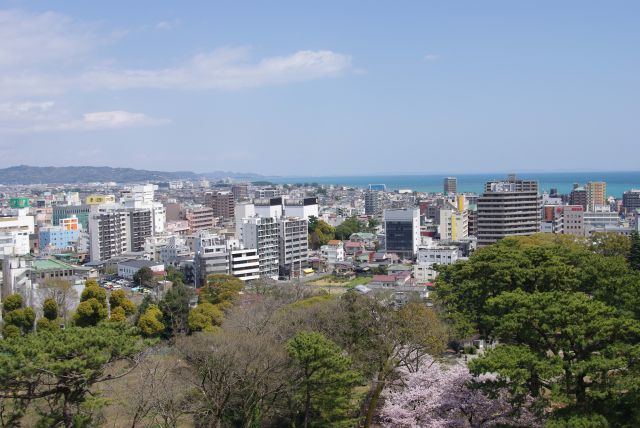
(243, 210)
(429, 256)
(174, 251)
(332, 252)
(600, 218)
(245, 264)
(212, 256)
(301, 207)
(268, 207)
(15, 227)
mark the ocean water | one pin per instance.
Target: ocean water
(617, 182)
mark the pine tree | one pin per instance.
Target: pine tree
(634, 256)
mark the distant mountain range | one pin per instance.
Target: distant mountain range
(24, 174)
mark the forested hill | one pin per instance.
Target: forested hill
(24, 174)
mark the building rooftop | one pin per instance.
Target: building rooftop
(50, 264)
(139, 264)
(383, 278)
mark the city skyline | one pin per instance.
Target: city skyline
(326, 90)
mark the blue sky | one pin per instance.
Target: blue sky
(322, 88)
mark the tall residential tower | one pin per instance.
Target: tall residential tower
(507, 208)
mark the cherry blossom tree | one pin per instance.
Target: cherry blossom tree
(441, 395)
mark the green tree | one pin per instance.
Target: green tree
(89, 313)
(373, 224)
(50, 309)
(62, 367)
(91, 282)
(325, 380)
(564, 311)
(62, 292)
(205, 317)
(18, 320)
(579, 421)
(322, 234)
(312, 223)
(537, 263)
(611, 244)
(11, 331)
(50, 320)
(347, 228)
(382, 339)
(175, 309)
(221, 290)
(45, 324)
(93, 291)
(174, 275)
(11, 303)
(23, 319)
(563, 342)
(150, 323)
(144, 276)
(118, 314)
(634, 253)
(118, 299)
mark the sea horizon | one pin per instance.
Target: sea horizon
(617, 181)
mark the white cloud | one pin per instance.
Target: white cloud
(431, 57)
(28, 40)
(112, 120)
(50, 55)
(44, 116)
(168, 25)
(227, 68)
(24, 108)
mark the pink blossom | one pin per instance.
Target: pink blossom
(438, 396)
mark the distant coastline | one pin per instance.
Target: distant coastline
(617, 182)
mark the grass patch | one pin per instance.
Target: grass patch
(335, 281)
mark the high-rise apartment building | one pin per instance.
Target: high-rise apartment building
(263, 234)
(631, 200)
(402, 231)
(372, 204)
(199, 218)
(223, 204)
(508, 208)
(107, 233)
(578, 196)
(596, 194)
(450, 185)
(293, 245)
(240, 192)
(114, 230)
(140, 227)
(472, 224)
